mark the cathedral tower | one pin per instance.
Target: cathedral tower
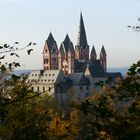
(93, 54)
(103, 57)
(82, 48)
(66, 56)
(50, 54)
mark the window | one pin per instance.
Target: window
(32, 74)
(43, 89)
(52, 80)
(49, 80)
(53, 75)
(32, 88)
(46, 74)
(38, 89)
(81, 87)
(53, 60)
(49, 74)
(46, 60)
(35, 74)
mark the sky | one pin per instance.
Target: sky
(105, 23)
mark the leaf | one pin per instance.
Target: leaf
(17, 65)
(12, 54)
(29, 44)
(16, 55)
(10, 66)
(6, 46)
(16, 42)
(34, 44)
(2, 57)
(1, 47)
(15, 77)
(29, 51)
(3, 68)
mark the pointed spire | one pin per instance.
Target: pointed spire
(93, 54)
(103, 50)
(67, 39)
(82, 39)
(67, 44)
(50, 41)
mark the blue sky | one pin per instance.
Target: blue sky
(105, 22)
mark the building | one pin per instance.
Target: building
(72, 59)
(70, 72)
(46, 81)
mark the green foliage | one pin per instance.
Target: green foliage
(111, 114)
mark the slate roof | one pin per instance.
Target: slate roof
(79, 66)
(51, 41)
(82, 39)
(78, 79)
(93, 52)
(66, 45)
(103, 50)
(95, 68)
(44, 76)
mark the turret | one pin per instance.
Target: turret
(93, 54)
(66, 56)
(103, 59)
(50, 54)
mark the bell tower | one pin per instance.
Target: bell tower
(82, 48)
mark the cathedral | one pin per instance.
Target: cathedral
(73, 59)
(71, 71)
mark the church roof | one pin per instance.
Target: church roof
(95, 68)
(50, 41)
(66, 45)
(93, 52)
(79, 66)
(82, 39)
(103, 50)
(78, 79)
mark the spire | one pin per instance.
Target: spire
(103, 51)
(67, 44)
(93, 54)
(67, 39)
(82, 39)
(50, 41)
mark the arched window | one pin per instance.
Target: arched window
(46, 60)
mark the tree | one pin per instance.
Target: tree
(113, 113)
